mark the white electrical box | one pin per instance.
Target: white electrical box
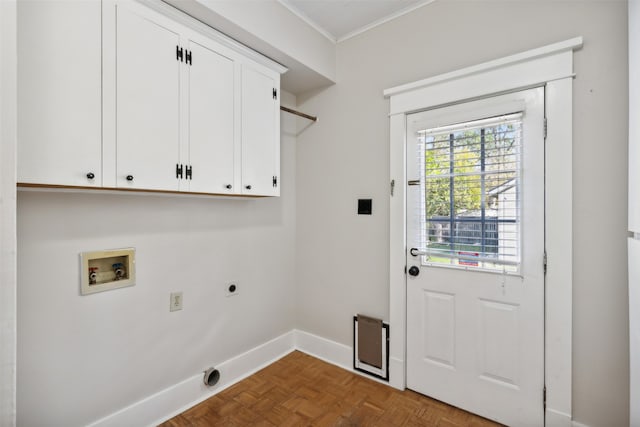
(106, 270)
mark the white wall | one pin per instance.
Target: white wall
(634, 109)
(342, 258)
(84, 357)
(7, 213)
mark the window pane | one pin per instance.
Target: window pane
(471, 186)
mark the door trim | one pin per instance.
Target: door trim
(552, 67)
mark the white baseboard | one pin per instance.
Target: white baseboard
(330, 351)
(174, 400)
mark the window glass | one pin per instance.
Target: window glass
(471, 189)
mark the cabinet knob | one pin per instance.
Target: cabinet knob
(248, 187)
(91, 175)
(228, 186)
(129, 177)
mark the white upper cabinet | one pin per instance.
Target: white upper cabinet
(211, 157)
(124, 94)
(59, 93)
(260, 133)
(148, 103)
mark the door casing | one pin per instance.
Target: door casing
(549, 66)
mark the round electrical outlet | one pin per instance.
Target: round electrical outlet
(231, 288)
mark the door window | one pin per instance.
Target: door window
(471, 188)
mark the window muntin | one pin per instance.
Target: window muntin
(471, 186)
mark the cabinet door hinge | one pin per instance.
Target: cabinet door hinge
(544, 398)
(544, 262)
(188, 56)
(275, 181)
(178, 171)
(275, 93)
(545, 128)
(189, 172)
(178, 53)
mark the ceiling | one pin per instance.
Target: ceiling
(339, 20)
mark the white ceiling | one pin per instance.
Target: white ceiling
(339, 20)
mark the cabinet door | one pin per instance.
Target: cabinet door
(211, 136)
(59, 92)
(260, 134)
(148, 102)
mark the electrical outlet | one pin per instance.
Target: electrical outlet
(175, 301)
(231, 288)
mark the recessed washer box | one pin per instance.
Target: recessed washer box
(106, 270)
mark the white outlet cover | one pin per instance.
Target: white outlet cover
(175, 301)
(227, 288)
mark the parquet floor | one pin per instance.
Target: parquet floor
(300, 390)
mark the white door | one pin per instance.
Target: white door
(475, 254)
(260, 133)
(59, 93)
(148, 102)
(211, 136)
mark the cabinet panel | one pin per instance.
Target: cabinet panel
(260, 135)
(59, 92)
(211, 114)
(148, 103)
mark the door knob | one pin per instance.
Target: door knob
(129, 177)
(414, 271)
(248, 187)
(91, 175)
(228, 186)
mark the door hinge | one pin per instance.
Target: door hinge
(188, 172)
(544, 398)
(178, 171)
(188, 55)
(545, 128)
(178, 53)
(544, 262)
(275, 93)
(393, 186)
(275, 181)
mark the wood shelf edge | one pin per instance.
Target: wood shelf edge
(78, 188)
